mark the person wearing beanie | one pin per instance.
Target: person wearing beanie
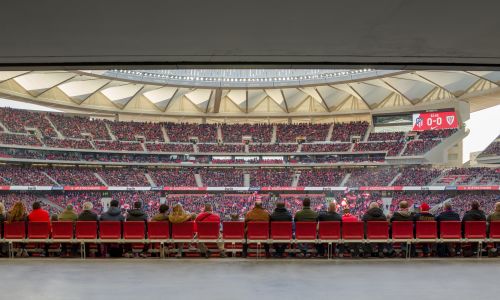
(424, 215)
(87, 214)
(68, 214)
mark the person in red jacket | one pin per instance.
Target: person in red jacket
(38, 214)
(208, 216)
(353, 248)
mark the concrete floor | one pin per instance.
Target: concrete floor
(145, 279)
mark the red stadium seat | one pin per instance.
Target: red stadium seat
(475, 230)
(281, 231)
(377, 230)
(62, 230)
(402, 230)
(38, 230)
(232, 230)
(305, 231)
(353, 231)
(258, 231)
(86, 230)
(14, 230)
(158, 230)
(208, 230)
(495, 230)
(183, 231)
(450, 230)
(329, 231)
(110, 230)
(134, 230)
(426, 230)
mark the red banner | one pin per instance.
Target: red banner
(4, 187)
(478, 188)
(435, 120)
(85, 188)
(184, 188)
(380, 188)
(282, 188)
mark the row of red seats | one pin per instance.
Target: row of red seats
(256, 231)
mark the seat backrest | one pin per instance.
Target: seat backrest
(353, 230)
(134, 230)
(184, 231)
(450, 230)
(62, 230)
(495, 230)
(475, 229)
(377, 230)
(233, 230)
(110, 230)
(426, 230)
(208, 230)
(38, 230)
(257, 230)
(159, 230)
(329, 230)
(86, 230)
(281, 230)
(14, 230)
(306, 230)
(402, 230)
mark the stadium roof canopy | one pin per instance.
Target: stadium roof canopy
(251, 93)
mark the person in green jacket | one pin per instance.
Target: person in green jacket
(306, 214)
(68, 214)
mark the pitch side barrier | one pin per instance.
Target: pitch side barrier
(233, 234)
(250, 189)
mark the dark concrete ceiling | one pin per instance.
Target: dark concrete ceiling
(395, 34)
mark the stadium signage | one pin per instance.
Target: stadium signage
(435, 120)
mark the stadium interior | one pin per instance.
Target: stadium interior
(251, 150)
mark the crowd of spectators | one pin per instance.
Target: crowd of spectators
(169, 147)
(436, 134)
(344, 131)
(76, 177)
(419, 147)
(386, 136)
(173, 177)
(129, 131)
(417, 176)
(67, 143)
(271, 177)
(124, 177)
(225, 177)
(19, 139)
(17, 120)
(372, 176)
(288, 133)
(335, 147)
(321, 177)
(493, 149)
(221, 148)
(269, 148)
(392, 148)
(234, 133)
(118, 146)
(14, 175)
(182, 132)
(76, 126)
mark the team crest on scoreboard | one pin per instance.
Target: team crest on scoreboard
(450, 119)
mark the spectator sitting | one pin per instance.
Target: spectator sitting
(280, 214)
(306, 214)
(162, 215)
(374, 213)
(495, 215)
(137, 214)
(347, 217)
(3, 247)
(258, 213)
(113, 213)
(447, 249)
(424, 215)
(331, 214)
(403, 214)
(475, 214)
(87, 214)
(207, 216)
(68, 214)
(54, 218)
(177, 216)
(38, 214)
(17, 213)
(234, 217)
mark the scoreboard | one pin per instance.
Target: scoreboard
(434, 120)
